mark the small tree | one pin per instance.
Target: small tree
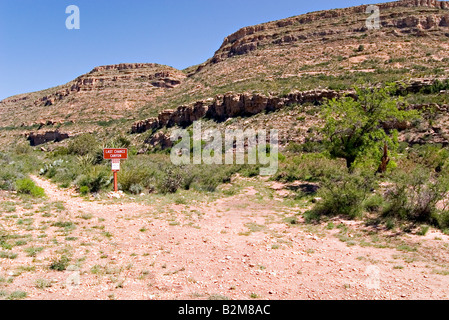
(354, 128)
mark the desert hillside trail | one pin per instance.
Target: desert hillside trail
(234, 247)
(305, 159)
(73, 201)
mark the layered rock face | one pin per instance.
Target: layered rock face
(232, 105)
(113, 89)
(306, 51)
(134, 76)
(227, 106)
(251, 38)
(38, 138)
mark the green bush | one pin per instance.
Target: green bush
(136, 189)
(63, 171)
(436, 87)
(309, 167)
(136, 173)
(7, 179)
(96, 179)
(27, 186)
(353, 128)
(170, 181)
(23, 148)
(344, 196)
(430, 156)
(306, 147)
(83, 144)
(60, 264)
(60, 151)
(374, 204)
(14, 167)
(414, 195)
(443, 219)
(209, 177)
(84, 190)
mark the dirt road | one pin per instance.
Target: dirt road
(242, 246)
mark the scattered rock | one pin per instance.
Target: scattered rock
(116, 195)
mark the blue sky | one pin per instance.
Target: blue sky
(37, 51)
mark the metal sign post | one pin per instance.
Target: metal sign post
(115, 168)
(115, 155)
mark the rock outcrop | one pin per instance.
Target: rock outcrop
(132, 74)
(160, 140)
(251, 38)
(230, 105)
(305, 51)
(109, 90)
(38, 138)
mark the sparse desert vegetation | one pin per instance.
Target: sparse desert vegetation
(362, 182)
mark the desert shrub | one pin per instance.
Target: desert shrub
(249, 171)
(60, 264)
(28, 186)
(206, 182)
(83, 144)
(84, 190)
(23, 148)
(135, 172)
(374, 204)
(59, 151)
(436, 87)
(312, 216)
(430, 156)
(136, 189)
(49, 169)
(170, 180)
(96, 179)
(7, 180)
(62, 171)
(344, 196)
(306, 147)
(442, 219)
(209, 177)
(414, 194)
(15, 167)
(121, 142)
(8, 176)
(86, 160)
(24, 163)
(309, 167)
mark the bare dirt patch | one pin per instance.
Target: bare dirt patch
(245, 246)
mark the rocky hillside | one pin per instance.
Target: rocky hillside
(333, 45)
(107, 92)
(325, 50)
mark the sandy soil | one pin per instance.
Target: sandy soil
(239, 247)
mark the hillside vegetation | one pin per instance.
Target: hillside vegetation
(300, 75)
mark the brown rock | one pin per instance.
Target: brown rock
(38, 138)
(160, 140)
(145, 125)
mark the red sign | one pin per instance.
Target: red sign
(109, 154)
